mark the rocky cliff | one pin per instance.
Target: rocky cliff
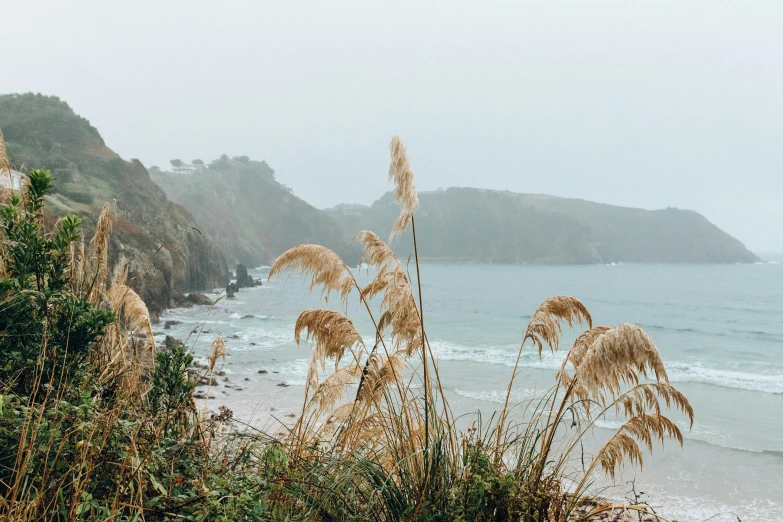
(168, 252)
(252, 216)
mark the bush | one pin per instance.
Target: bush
(46, 329)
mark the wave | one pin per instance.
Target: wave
(661, 328)
(699, 432)
(732, 332)
(706, 507)
(293, 373)
(683, 372)
(759, 334)
(498, 396)
(503, 355)
(678, 371)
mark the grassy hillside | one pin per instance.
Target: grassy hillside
(168, 255)
(469, 224)
(252, 217)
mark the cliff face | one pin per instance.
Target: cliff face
(466, 224)
(167, 252)
(252, 217)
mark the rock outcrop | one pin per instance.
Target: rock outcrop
(167, 250)
(252, 216)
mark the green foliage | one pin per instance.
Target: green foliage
(241, 490)
(77, 195)
(49, 405)
(45, 328)
(171, 390)
(43, 131)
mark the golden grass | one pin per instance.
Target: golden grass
(616, 369)
(96, 266)
(401, 174)
(323, 266)
(332, 334)
(5, 165)
(544, 327)
(217, 350)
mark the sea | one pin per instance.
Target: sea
(719, 329)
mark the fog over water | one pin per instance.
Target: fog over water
(648, 104)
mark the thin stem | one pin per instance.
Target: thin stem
(424, 358)
(504, 411)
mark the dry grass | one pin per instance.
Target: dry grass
(96, 265)
(391, 423)
(5, 165)
(401, 175)
(321, 265)
(217, 350)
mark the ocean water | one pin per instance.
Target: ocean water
(719, 329)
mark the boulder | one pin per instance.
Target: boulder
(245, 280)
(169, 324)
(171, 342)
(207, 381)
(199, 299)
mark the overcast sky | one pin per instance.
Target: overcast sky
(646, 104)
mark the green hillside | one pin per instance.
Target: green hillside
(467, 224)
(168, 255)
(252, 217)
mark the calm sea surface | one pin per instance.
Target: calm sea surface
(719, 329)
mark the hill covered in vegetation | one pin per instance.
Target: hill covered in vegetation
(468, 224)
(252, 216)
(167, 254)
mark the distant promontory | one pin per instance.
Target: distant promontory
(478, 225)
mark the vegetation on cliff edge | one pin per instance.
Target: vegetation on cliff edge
(253, 217)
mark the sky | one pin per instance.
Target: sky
(649, 104)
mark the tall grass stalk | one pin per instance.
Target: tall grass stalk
(395, 444)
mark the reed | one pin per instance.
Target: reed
(398, 454)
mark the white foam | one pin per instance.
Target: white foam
(682, 372)
(503, 355)
(700, 432)
(678, 372)
(498, 396)
(293, 373)
(701, 509)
